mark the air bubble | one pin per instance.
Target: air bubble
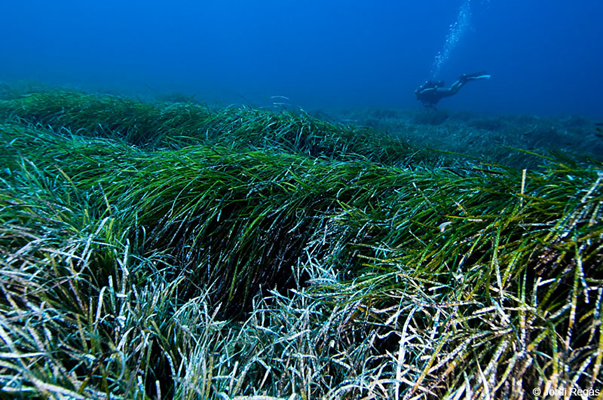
(457, 30)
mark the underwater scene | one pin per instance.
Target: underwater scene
(292, 200)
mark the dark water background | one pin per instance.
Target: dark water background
(545, 56)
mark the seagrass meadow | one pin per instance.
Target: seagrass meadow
(165, 250)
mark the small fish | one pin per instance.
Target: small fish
(599, 128)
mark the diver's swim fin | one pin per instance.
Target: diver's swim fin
(477, 76)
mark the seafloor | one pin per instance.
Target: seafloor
(484, 137)
(169, 249)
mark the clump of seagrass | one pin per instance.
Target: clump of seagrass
(177, 125)
(123, 267)
(499, 276)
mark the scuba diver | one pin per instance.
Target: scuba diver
(431, 92)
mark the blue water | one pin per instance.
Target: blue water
(545, 57)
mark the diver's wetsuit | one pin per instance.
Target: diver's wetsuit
(431, 92)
